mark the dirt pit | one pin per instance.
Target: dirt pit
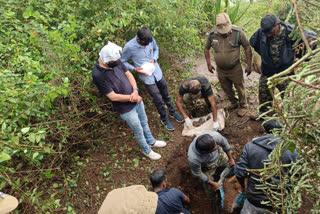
(180, 176)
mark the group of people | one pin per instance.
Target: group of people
(208, 151)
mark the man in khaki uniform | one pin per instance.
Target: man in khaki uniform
(226, 40)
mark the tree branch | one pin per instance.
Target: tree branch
(305, 84)
(300, 27)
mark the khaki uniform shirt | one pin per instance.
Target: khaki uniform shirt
(227, 49)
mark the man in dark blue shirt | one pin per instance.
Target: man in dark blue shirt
(117, 83)
(169, 201)
(255, 155)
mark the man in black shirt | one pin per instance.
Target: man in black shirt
(194, 88)
(115, 82)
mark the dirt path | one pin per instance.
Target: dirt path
(119, 162)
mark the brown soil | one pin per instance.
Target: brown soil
(119, 162)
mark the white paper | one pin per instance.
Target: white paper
(148, 68)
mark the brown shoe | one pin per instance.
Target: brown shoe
(242, 112)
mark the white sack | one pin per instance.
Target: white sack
(206, 126)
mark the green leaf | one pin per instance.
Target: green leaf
(35, 155)
(135, 162)
(32, 138)
(291, 147)
(3, 127)
(27, 13)
(15, 140)
(38, 138)
(47, 149)
(46, 174)
(25, 130)
(4, 157)
(3, 184)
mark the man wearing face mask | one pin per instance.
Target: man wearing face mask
(143, 49)
(225, 40)
(114, 81)
(273, 43)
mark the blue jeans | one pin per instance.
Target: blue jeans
(159, 93)
(138, 121)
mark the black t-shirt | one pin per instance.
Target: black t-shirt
(108, 80)
(206, 90)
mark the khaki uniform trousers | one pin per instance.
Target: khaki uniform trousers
(228, 78)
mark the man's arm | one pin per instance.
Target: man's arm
(179, 107)
(196, 170)
(255, 42)
(134, 94)
(245, 44)
(155, 50)
(186, 199)
(223, 142)
(242, 166)
(126, 55)
(114, 97)
(249, 59)
(213, 108)
(231, 160)
(207, 56)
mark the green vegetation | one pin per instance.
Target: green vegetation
(48, 103)
(300, 110)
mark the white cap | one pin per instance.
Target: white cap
(110, 52)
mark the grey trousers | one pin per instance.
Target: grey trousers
(160, 95)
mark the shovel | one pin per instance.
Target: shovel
(225, 173)
(241, 197)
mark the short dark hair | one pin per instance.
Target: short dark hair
(273, 125)
(205, 143)
(157, 177)
(268, 22)
(145, 34)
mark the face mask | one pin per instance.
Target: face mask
(113, 64)
(143, 43)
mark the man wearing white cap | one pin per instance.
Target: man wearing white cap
(226, 40)
(114, 81)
